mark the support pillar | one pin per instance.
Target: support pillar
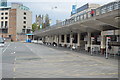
(65, 40)
(102, 43)
(78, 39)
(57, 39)
(89, 41)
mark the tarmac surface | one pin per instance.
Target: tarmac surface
(28, 60)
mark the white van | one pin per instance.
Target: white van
(1, 42)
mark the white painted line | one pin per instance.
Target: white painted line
(15, 59)
(6, 48)
(14, 69)
(13, 53)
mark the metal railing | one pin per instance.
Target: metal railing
(86, 15)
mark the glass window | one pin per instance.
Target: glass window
(2, 13)
(23, 30)
(2, 17)
(6, 17)
(24, 26)
(103, 10)
(24, 17)
(24, 13)
(24, 22)
(2, 23)
(6, 13)
(6, 23)
(110, 8)
(116, 6)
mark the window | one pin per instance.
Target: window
(2, 13)
(24, 13)
(28, 30)
(6, 17)
(23, 30)
(6, 23)
(110, 8)
(5, 31)
(24, 26)
(6, 13)
(24, 17)
(2, 23)
(2, 17)
(24, 22)
(103, 10)
(116, 6)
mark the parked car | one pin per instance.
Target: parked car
(1, 42)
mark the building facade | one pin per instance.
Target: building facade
(15, 22)
(93, 33)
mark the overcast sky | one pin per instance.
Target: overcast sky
(62, 11)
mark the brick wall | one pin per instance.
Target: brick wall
(12, 24)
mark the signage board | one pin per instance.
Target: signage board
(73, 9)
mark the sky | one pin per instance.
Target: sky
(63, 10)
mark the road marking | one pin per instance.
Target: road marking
(15, 47)
(15, 59)
(6, 48)
(14, 69)
(13, 53)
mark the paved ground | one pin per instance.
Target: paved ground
(25, 60)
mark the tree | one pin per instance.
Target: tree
(35, 27)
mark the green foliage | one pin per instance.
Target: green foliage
(35, 27)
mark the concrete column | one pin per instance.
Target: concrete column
(59, 39)
(47, 39)
(65, 39)
(102, 43)
(89, 41)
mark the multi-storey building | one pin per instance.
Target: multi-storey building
(15, 22)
